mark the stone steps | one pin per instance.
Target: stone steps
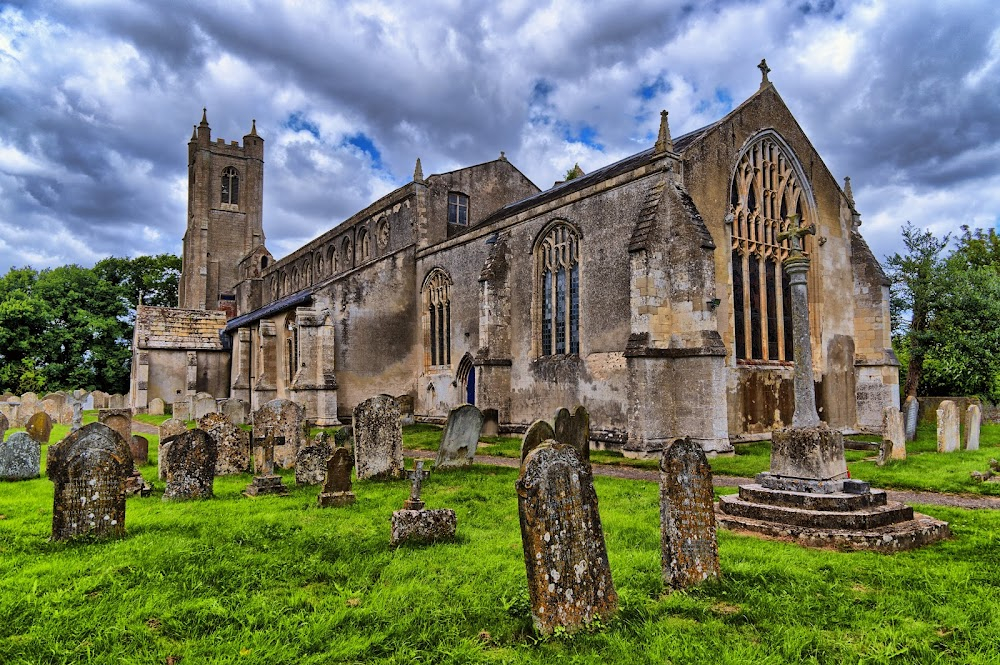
(833, 502)
(866, 518)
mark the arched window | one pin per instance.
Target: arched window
(230, 186)
(557, 260)
(766, 190)
(437, 317)
(345, 251)
(364, 245)
(332, 260)
(458, 209)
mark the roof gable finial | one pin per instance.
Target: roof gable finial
(253, 127)
(764, 69)
(418, 172)
(194, 132)
(663, 140)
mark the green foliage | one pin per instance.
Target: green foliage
(71, 327)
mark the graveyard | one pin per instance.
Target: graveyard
(281, 579)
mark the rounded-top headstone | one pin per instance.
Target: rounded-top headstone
(539, 432)
(573, 429)
(39, 427)
(689, 549)
(4, 425)
(378, 438)
(190, 466)
(460, 437)
(20, 457)
(282, 418)
(231, 442)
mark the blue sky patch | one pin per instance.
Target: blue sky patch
(649, 90)
(363, 142)
(585, 134)
(298, 122)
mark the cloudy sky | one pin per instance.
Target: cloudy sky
(97, 101)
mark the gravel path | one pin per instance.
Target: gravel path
(630, 473)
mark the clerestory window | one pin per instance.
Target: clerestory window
(458, 209)
(766, 190)
(230, 186)
(557, 260)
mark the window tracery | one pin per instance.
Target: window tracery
(437, 317)
(230, 186)
(557, 256)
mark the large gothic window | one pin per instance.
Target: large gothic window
(766, 191)
(437, 317)
(230, 186)
(557, 260)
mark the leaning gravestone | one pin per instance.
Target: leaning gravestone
(157, 407)
(573, 429)
(894, 432)
(947, 427)
(310, 461)
(285, 421)
(89, 468)
(539, 432)
(973, 420)
(378, 438)
(337, 488)
(569, 578)
(168, 430)
(460, 437)
(20, 457)
(190, 466)
(4, 425)
(236, 410)
(911, 409)
(139, 446)
(232, 444)
(39, 427)
(690, 552)
(120, 420)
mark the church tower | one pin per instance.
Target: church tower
(225, 222)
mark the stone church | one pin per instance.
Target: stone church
(649, 291)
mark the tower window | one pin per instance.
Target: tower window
(230, 186)
(458, 209)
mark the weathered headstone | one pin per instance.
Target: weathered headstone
(310, 461)
(569, 578)
(911, 409)
(266, 481)
(378, 438)
(337, 490)
(100, 399)
(973, 420)
(538, 433)
(690, 552)
(182, 409)
(89, 468)
(4, 425)
(66, 415)
(9, 410)
(168, 430)
(117, 401)
(894, 431)
(39, 427)
(406, 409)
(286, 421)
(947, 427)
(415, 524)
(204, 404)
(232, 444)
(139, 446)
(157, 407)
(344, 438)
(76, 403)
(573, 429)
(20, 457)
(236, 410)
(884, 452)
(460, 437)
(190, 466)
(120, 420)
(491, 422)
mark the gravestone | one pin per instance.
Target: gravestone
(20, 457)
(947, 427)
(66, 415)
(973, 420)
(89, 468)
(310, 461)
(139, 446)
(911, 409)
(884, 452)
(39, 427)
(569, 578)
(405, 409)
(378, 438)
(53, 407)
(344, 438)
(573, 429)
(285, 421)
(77, 404)
(4, 425)
(232, 444)
(182, 409)
(100, 399)
(690, 552)
(236, 410)
(491, 422)
(204, 404)
(168, 430)
(171, 427)
(157, 407)
(29, 405)
(460, 437)
(415, 524)
(337, 489)
(539, 432)
(894, 431)
(190, 466)
(266, 481)
(120, 420)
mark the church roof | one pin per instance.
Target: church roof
(171, 328)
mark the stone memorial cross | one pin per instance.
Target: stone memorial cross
(797, 267)
(417, 477)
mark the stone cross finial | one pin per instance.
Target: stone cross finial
(503, 156)
(204, 116)
(764, 69)
(795, 232)
(663, 140)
